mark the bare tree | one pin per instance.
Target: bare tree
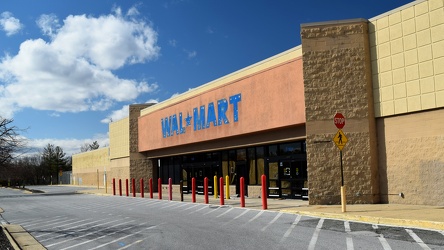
(10, 141)
(89, 147)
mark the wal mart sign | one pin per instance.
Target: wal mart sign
(202, 117)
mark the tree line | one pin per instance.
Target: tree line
(19, 169)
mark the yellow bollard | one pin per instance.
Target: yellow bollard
(343, 199)
(215, 187)
(227, 187)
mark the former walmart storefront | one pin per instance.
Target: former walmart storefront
(275, 118)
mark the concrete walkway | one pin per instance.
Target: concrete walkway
(419, 216)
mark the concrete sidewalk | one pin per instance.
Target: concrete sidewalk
(419, 216)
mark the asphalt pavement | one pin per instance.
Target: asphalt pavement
(415, 216)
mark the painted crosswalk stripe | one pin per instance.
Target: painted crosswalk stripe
(417, 239)
(382, 240)
(314, 238)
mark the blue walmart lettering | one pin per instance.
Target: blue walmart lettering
(202, 119)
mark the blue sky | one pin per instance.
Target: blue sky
(69, 67)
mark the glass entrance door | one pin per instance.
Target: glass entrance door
(286, 178)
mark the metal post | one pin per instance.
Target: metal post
(151, 188)
(264, 192)
(227, 187)
(126, 187)
(133, 183)
(206, 190)
(221, 184)
(142, 192)
(170, 188)
(242, 195)
(215, 187)
(193, 189)
(159, 187)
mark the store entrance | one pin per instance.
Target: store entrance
(287, 178)
(199, 172)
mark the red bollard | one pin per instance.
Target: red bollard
(133, 183)
(142, 194)
(206, 190)
(114, 186)
(159, 187)
(120, 187)
(170, 188)
(193, 189)
(264, 192)
(151, 188)
(221, 188)
(242, 195)
(127, 190)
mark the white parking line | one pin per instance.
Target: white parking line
(225, 212)
(417, 239)
(272, 221)
(255, 217)
(293, 225)
(348, 238)
(121, 238)
(81, 236)
(382, 240)
(314, 238)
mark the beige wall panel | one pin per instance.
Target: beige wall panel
(411, 159)
(119, 138)
(408, 42)
(88, 168)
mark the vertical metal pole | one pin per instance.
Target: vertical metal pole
(193, 189)
(159, 187)
(342, 171)
(215, 187)
(206, 190)
(142, 192)
(227, 187)
(242, 195)
(221, 187)
(181, 190)
(114, 186)
(343, 192)
(170, 188)
(133, 188)
(151, 188)
(264, 192)
(120, 187)
(126, 186)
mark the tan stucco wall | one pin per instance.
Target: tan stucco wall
(407, 49)
(119, 140)
(271, 97)
(337, 78)
(411, 158)
(85, 166)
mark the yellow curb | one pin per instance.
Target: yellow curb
(22, 238)
(374, 220)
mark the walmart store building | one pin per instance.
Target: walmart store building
(385, 75)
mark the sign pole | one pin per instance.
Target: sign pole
(340, 140)
(343, 192)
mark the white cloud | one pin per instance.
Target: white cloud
(117, 115)
(153, 101)
(49, 24)
(172, 43)
(69, 146)
(73, 71)
(191, 54)
(9, 23)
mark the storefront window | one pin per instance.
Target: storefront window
(260, 164)
(272, 150)
(290, 148)
(252, 166)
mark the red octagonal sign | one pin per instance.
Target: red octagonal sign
(339, 120)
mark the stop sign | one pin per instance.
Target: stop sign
(339, 120)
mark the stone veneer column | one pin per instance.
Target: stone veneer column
(140, 166)
(337, 78)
